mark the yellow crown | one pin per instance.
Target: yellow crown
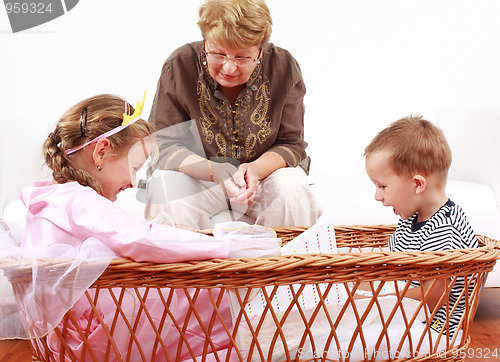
(137, 112)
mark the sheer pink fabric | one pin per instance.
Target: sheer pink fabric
(70, 214)
(72, 222)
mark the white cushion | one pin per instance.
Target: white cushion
(349, 200)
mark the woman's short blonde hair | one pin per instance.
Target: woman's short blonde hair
(235, 24)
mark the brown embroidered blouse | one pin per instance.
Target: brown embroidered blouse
(268, 114)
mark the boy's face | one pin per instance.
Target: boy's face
(391, 189)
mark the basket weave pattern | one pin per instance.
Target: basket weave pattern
(292, 333)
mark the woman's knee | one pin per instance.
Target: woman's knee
(286, 182)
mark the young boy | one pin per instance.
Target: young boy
(408, 162)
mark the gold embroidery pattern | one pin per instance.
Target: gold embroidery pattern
(225, 128)
(234, 122)
(291, 154)
(260, 117)
(221, 143)
(250, 144)
(174, 155)
(208, 117)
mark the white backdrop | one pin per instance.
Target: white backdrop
(353, 54)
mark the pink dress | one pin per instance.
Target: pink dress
(73, 221)
(71, 214)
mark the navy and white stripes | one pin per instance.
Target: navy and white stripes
(447, 229)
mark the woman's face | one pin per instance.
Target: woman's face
(231, 67)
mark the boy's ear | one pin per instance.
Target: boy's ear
(419, 183)
(101, 147)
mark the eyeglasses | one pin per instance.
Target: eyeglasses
(219, 58)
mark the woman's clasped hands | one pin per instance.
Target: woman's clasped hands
(240, 184)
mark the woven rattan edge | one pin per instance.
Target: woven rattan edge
(281, 270)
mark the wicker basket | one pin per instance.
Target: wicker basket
(292, 332)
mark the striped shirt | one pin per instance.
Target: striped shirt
(447, 229)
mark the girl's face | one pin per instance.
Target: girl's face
(397, 191)
(119, 170)
(231, 67)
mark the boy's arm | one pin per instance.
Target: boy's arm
(432, 297)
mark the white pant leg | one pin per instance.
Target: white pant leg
(284, 199)
(187, 200)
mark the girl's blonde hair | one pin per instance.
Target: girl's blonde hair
(235, 24)
(103, 113)
(413, 144)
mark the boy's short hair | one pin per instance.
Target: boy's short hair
(414, 145)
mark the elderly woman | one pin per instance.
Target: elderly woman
(229, 116)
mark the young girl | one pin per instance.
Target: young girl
(94, 153)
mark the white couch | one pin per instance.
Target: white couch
(362, 61)
(337, 138)
(339, 178)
